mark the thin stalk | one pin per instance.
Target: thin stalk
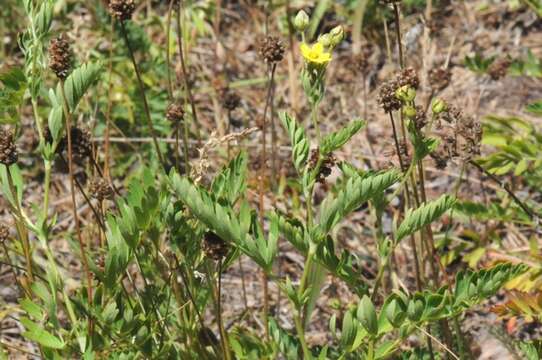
(307, 355)
(107, 134)
(223, 334)
(398, 33)
(168, 55)
(509, 191)
(187, 85)
(74, 202)
(263, 169)
(143, 95)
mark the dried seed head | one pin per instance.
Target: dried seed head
(499, 68)
(8, 150)
(439, 78)
(122, 9)
(175, 113)
(4, 233)
(471, 132)
(100, 189)
(214, 246)
(408, 77)
(271, 49)
(325, 167)
(387, 98)
(60, 57)
(230, 99)
(81, 144)
(441, 158)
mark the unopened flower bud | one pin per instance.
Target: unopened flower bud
(337, 35)
(409, 111)
(301, 21)
(325, 39)
(405, 93)
(438, 106)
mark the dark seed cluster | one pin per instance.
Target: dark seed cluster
(214, 246)
(8, 149)
(4, 233)
(122, 9)
(230, 99)
(325, 167)
(60, 57)
(420, 119)
(175, 113)
(387, 98)
(408, 76)
(100, 189)
(461, 137)
(81, 144)
(271, 50)
(439, 78)
(498, 69)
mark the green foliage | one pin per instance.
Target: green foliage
(423, 216)
(298, 139)
(14, 85)
(337, 139)
(352, 195)
(478, 64)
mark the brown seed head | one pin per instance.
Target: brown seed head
(271, 49)
(8, 149)
(408, 77)
(214, 246)
(420, 119)
(387, 98)
(122, 9)
(100, 189)
(325, 167)
(499, 68)
(230, 99)
(4, 233)
(60, 57)
(439, 78)
(81, 143)
(175, 113)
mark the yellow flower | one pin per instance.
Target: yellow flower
(315, 54)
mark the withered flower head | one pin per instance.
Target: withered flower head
(4, 233)
(325, 167)
(100, 189)
(230, 99)
(439, 78)
(175, 113)
(214, 246)
(271, 49)
(499, 68)
(408, 76)
(387, 98)
(122, 9)
(81, 143)
(60, 57)
(441, 158)
(8, 149)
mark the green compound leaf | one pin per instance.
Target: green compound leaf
(424, 215)
(352, 195)
(298, 138)
(474, 287)
(337, 139)
(35, 332)
(79, 81)
(230, 183)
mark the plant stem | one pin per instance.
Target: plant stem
(168, 54)
(185, 72)
(143, 96)
(398, 33)
(74, 202)
(307, 355)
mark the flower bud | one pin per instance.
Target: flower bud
(325, 39)
(405, 93)
(438, 106)
(409, 111)
(301, 21)
(337, 35)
